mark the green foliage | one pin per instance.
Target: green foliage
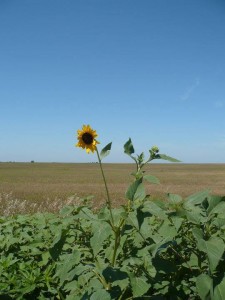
(105, 151)
(172, 248)
(166, 157)
(136, 189)
(131, 191)
(128, 147)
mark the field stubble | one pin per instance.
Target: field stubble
(32, 187)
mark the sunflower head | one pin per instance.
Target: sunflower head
(86, 138)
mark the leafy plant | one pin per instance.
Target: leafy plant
(171, 249)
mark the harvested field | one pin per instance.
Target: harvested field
(29, 187)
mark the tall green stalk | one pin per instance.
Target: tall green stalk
(108, 200)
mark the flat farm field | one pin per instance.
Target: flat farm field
(31, 187)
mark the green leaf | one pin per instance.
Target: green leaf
(132, 189)
(177, 221)
(154, 209)
(197, 233)
(139, 285)
(100, 294)
(166, 157)
(174, 199)
(203, 285)
(72, 260)
(219, 209)
(74, 297)
(66, 210)
(213, 201)
(57, 245)
(166, 230)
(151, 179)
(27, 289)
(132, 219)
(122, 283)
(219, 222)
(140, 158)
(71, 286)
(101, 231)
(85, 278)
(119, 214)
(195, 199)
(105, 151)
(128, 147)
(104, 214)
(114, 274)
(219, 291)
(86, 214)
(140, 192)
(195, 215)
(193, 261)
(214, 248)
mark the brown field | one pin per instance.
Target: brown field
(30, 187)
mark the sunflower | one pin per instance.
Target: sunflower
(86, 138)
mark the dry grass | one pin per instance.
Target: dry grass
(29, 187)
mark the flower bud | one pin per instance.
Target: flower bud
(155, 149)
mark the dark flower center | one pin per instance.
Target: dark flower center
(87, 138)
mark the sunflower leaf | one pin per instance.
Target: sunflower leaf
(132, 189)
(151, 179)
(166, 157)
(105, 151)
(128, 147)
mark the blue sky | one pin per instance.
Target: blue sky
(150, 70)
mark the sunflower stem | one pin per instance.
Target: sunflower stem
(108, 201)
